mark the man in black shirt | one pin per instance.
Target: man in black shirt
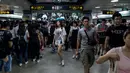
(114, 34)
(5, 47)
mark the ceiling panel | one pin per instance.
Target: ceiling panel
(56, 0)
(17, 5)
(105, 4)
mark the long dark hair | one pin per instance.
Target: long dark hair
(61, 25)
(21, 30)
(74, 22)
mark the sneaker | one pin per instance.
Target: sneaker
(34, 60)
(20, 64)
(62, 63)
(38, 61)
(41, 56)
(73, 56)
(26, 62)
(76, 57)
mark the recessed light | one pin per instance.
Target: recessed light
(115, 5)
(97, 7)
(114, 1)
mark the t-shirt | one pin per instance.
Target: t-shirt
(101, 29)
(83, 37)
(3, 54)
(123, 66)
(26, 36)
(15, 29)
(5, 37)
(60, 34)
(13, 34)
(115, 33)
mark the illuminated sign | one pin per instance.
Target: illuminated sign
(56, 7)
(37, 7)
(76, 7)
(108, 12)
(7, 12)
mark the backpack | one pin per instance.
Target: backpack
(21, 38)
(21, 41)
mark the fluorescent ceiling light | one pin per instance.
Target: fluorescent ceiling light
(11, 16)
(101, 16)
(114, 0)
(124, 12)
(97, 7)
(16, 6)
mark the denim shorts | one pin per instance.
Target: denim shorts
(6, 65)
(58, 42)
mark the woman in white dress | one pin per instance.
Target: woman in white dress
(59, 39)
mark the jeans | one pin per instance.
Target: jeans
(7, 65)
(23, 53)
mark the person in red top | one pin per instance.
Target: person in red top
(101, 30)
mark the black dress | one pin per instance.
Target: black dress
(74, 38)
(34, 45)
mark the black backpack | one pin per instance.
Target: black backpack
(21, 39)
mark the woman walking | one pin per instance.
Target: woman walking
(59, 39)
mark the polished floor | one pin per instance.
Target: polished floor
(49, 64)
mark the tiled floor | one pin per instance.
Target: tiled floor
(49, 64)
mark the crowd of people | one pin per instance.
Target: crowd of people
(27, 39)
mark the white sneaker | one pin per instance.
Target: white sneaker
(26, 62)
(73, 56)
(62, 63)
(38, 61)
(20, 64)
(34, 60)
(76, 57)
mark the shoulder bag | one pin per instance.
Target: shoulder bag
(91, 42)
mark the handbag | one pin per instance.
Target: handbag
(91, 42)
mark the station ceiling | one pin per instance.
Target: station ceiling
(98, 5)
(94, 5)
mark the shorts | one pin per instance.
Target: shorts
(58, 42)
(87, 57)
(7, 65)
